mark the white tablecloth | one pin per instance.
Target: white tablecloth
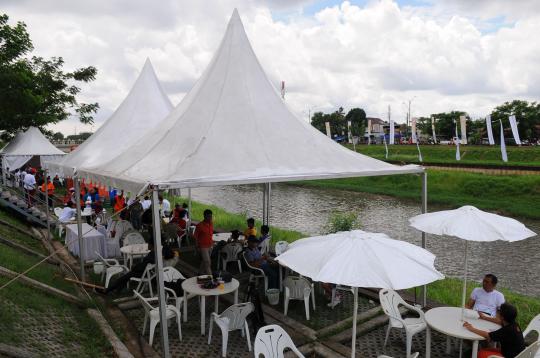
(93, 241)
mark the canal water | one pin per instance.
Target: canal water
(307, 210)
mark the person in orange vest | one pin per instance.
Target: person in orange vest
(119, 202)
(50, 190)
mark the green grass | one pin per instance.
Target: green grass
(11, 234)
(470, 154)
(515, 195)
(448, 291)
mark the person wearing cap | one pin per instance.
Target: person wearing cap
(269, 266)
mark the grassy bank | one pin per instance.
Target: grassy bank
(507, 194)
(470, 154)
(24, 309)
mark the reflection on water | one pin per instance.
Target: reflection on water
(307, 210)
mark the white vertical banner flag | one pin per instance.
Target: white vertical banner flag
(513, 125)
(328, 133)
(458, 155)
(503, 145)
(489, 130)
(385, 147)
(413, 129)
(463, 124)
(392, 134)
(349, 132)
(369, 131)
(433, 130)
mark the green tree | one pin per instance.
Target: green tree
(35, 91)
(337, 121)
(445, 124)
(317, 120)
(527, 115)
(357, 116)
(80, 136)
(58, 136)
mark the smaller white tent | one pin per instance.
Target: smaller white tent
(24, 146)
(142, 110)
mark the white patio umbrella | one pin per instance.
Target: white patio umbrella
(471, 224)
(361, 259)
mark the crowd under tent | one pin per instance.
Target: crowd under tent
(26, 146)
(231, 128)
(141, 111)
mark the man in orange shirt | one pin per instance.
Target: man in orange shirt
(119, 202)
(204, 233)
(50, 190)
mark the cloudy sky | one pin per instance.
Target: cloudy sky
(441, 54)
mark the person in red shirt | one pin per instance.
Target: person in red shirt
(119, 202)
(204, 233)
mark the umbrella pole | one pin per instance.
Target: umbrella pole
(464, 281)
(424, 210)
(355, 314)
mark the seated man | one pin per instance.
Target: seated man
(487, 299)
(68, 213)
(251, 229)
(255, 259)
(265, 235)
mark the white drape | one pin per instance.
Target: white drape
(503, 145)
(391, 140)
(489, 130)
(513, 125)
(433, 130)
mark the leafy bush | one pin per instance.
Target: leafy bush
(341, 222)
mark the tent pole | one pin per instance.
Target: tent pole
(269, 203)
(79, 225)
(47, 206)
(355, 314)
(264, 205)
(424, 210)
(156, 224)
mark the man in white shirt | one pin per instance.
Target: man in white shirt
(165, 206)
(146, 203)
(486, 299)
(68, 213)
(29, 184)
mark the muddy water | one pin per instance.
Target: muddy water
(307, 210)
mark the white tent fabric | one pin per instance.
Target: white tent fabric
(25, 145)
(234, 128)
(142, 110)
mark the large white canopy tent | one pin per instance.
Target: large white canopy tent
(142, 110)
(231, 128)
(26, 145)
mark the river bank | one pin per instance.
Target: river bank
(505, 194)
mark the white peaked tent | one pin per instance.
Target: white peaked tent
(24, 146)
(233, 128)
(142, 110)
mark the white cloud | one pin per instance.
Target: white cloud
(369, 56)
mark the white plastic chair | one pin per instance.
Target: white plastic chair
(145, 280)
(112, 268)
(229, 253)
(58, 212)
(281, 247)
(256, 273)
(528, 352)
(390, 302)
(334, 292)
(170, 274)
(232, 319)
(272, 340)
(298, 288)
(153, 313)
(534, 325)
(132, 238)
(414, 355)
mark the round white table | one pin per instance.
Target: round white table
(221, 236)
(133, 250)
(448, 321)
(190, 285)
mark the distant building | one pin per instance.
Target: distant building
(379, 129)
